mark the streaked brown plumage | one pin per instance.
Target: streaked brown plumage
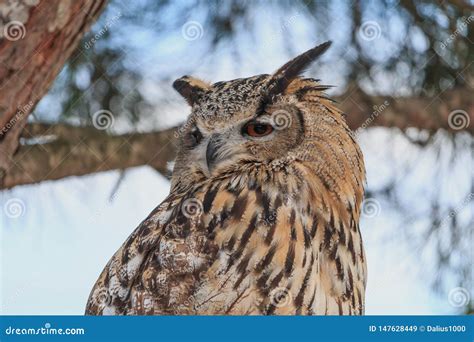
(256, 222)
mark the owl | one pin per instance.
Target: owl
(263, 213)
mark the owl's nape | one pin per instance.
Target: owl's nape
(263, 212)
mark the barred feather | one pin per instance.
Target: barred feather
(273, 232)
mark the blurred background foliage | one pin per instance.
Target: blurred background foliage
(423, 48)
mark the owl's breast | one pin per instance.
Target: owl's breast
(253, 250)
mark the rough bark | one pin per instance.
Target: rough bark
(36, 39)
(75, 151)
(429, 113)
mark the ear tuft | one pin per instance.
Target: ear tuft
(288, 72)
(190, 88)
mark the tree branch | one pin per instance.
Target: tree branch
(76, 151)
(54, 151)
(429, 113)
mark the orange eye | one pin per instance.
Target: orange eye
(257, 130)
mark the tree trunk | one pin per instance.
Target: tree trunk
(36, 39)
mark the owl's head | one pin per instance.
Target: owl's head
(260, 120)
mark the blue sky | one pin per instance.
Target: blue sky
(54, 251)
